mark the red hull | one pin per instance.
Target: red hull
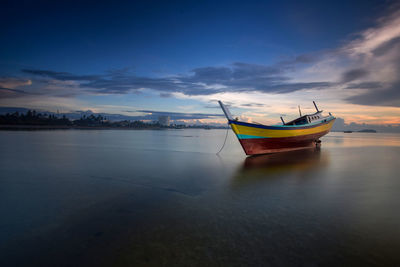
(255, 146)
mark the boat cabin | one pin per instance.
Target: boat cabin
(316, 117)
(306, 119)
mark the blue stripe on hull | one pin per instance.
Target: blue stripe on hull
(245, 136)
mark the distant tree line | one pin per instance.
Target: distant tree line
(35, 118)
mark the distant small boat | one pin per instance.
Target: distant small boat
(303, 132)
(347, 131)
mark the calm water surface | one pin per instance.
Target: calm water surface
(131, 198)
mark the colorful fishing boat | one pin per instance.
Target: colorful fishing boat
(303, 132)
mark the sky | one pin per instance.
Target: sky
(263, 58)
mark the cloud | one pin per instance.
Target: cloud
(253, 105)
(238, 77)
(12, 82)
(245, 70)
(384, 97)
(165, 95)
(34, 86)
(354, 74)
(11, 93)
(210, 75)
(62, 76)
(386, 29)
(244, 77)
(9, 85)
(375, 56)
(307, 58)
(364, 85)
(387, 46)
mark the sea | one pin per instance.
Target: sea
(165, 198)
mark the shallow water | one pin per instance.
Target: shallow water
(122, 197)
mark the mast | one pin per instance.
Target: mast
(315, 105)
(228, 115)
(299, 110)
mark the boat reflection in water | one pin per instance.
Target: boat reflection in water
(301, 163)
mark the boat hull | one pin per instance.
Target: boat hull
(259, 139)
(256, 146)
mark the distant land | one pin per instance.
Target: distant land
(149, 115)
(178, 118)
(362, 131)
(21, 118)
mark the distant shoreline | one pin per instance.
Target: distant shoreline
(66, 127)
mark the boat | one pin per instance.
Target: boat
(301, 133)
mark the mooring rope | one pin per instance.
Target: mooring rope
(226, 135)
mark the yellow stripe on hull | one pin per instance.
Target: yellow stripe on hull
(260, 132)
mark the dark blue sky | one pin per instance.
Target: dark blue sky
(182, 55)
(171, 36)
